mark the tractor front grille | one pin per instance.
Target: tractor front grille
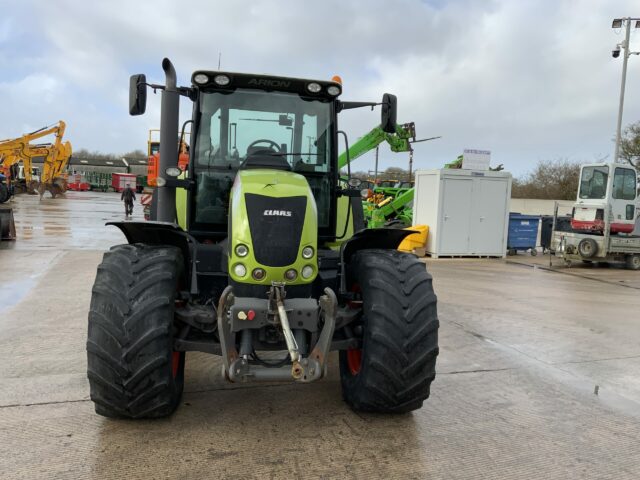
(276, 226)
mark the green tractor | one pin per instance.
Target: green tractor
(258, 255)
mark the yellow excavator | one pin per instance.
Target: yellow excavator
(55, 159)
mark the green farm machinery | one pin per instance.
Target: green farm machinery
(259, 255)
(390, 201)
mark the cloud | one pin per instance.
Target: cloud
(528, 80)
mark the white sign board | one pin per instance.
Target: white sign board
(476, 159)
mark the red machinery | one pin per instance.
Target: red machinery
(120, 180)
(78, 183)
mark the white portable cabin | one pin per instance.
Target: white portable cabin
(467, 211)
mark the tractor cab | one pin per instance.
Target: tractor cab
(606, 189)
(247, 122)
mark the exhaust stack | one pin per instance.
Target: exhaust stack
(169, 125)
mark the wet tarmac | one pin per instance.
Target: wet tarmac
(523, 349)
(76, 221)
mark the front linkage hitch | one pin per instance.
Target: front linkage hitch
(236, 365)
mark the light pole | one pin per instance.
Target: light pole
(375, 175)
(624, 46)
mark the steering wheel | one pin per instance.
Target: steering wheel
(273, 146)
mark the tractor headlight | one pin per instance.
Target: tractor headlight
(314, 87)
(258, 274)
(354, 182)
(291, 274)
(222, 80)
(307, 252)
(242, 250)
(201, 79)
(307, 271)
(240, 270)
(173, 172)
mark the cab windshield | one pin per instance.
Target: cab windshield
(593, 183)
(235, 127)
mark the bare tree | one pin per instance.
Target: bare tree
(391, 173)
(360, 174)
(551, 179)
(630, 145)
(85, 154)
(95, 155)
(138, 154)
(394, 173)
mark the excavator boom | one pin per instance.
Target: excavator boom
(56, 157)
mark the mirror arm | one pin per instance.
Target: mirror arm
(188, 92)
(184, 91)
(154, 86)
(350, 105)
(186, 183)
(349, 192)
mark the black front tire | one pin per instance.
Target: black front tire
(396, 364)
(132, 369)
(4, 193)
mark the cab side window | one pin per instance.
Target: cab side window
(624, 184)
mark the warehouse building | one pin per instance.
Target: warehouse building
(96, 173)
(78, 165)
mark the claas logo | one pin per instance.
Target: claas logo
(277, 213)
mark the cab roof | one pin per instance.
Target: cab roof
(229, 81)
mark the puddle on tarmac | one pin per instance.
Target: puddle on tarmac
(12, 293)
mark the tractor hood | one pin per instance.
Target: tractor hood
(279, 209)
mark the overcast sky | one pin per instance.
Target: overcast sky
(528, 80)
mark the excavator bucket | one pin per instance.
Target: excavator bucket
(60, 186)
(32, 187)
(7, 224)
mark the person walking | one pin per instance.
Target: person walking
(128, 195)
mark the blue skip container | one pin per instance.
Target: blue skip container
(523, 233)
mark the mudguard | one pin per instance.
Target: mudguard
(164, 233)
(385, 238)
(373, 238)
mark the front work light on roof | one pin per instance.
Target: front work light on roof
(314, 87)
(201, 79)
(222, 80)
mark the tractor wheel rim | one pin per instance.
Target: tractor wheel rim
(175, 363)
(354, 360)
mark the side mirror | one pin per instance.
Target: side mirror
(137, 94)
(389, 113)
